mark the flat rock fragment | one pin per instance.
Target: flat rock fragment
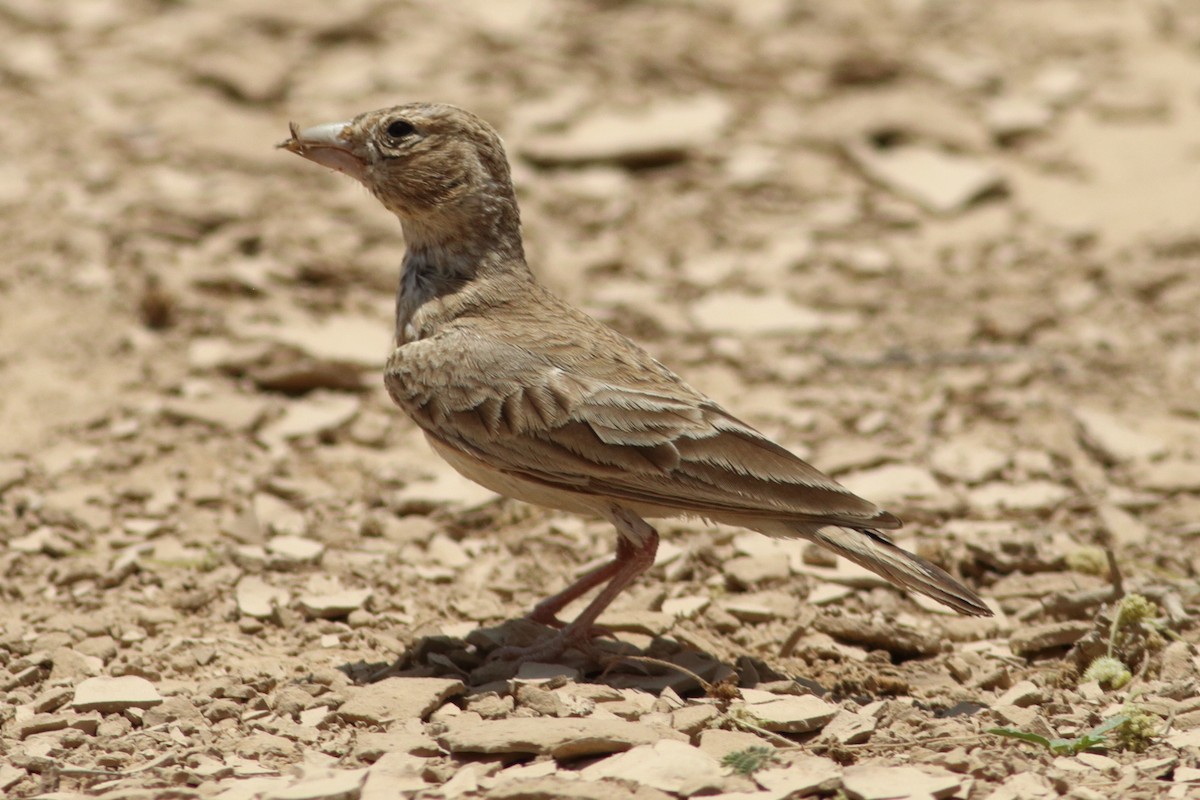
(667, 765)
(115, 694)
(877, 782)
(257, 598)
(1038, 638)
(661, 133)
(561, 738)
(332, 605)
(231, 412)
(340, 785)
(793, 714)
(1114, 439)
(942, 182)
(398, 699)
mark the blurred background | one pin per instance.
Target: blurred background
(949, 251)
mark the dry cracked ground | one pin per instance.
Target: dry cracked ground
(949, 251)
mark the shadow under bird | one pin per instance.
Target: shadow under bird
(533, 399)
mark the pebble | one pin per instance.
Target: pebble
(1169, 476)
(397, 699)
(877, 782)
(338, 785)
(685, 607)
(232, 412)
(894, 484)
(446, 488)
(942, 182)
(803, 776)
(1008, 118)
(1038, 638)
(334, 604)
(278, 516)
(850, 727)
(665, 132)
(1124, 528)
(316, 414)
(1027, 496)
(294, 550)
(257, 598)
(668, 765)
(1022, 694)
(115, 694)
(719, 743)
(563, 739)
(1115, 440)
(764, 315)
(362, 341)
(968, 461)
(798, 714)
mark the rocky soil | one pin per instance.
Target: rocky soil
(950, 252)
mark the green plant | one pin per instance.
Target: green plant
(750, 760)
(1066, 747)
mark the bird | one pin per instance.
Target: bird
(533, 399)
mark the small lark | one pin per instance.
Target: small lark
(535, 400)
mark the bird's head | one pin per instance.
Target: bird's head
(440, 169)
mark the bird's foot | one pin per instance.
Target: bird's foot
(553, 646)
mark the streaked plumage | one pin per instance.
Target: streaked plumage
(534, 399)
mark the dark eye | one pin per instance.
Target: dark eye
(399, 128)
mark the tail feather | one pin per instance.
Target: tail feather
(870, 549)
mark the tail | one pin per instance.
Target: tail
(871, 549)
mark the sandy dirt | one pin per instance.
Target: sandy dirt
(949, 252)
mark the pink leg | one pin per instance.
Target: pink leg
(636, 547)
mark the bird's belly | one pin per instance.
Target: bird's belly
(518, 488)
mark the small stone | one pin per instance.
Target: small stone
(1008, 118)
(1169, 476)
(685, 607)
(397, 699)
(719, 743)
(1027, 496)
(345, 339)
(1124, 528)
(1115, 440)
(849, 727)
(967, 461)
(115, 694)
(893, 484)
(316, 414)
(942, 182)
(799, 714)
(295, 550)
(278, 516)
(803, 776)
(1022, 694)
(662, 133)
(565, 738)
(230, 412)
(763, 315)
(650, 623)
(1039, 638)
(537, 672)
(335, 604)
(668, 765)
(257, 598)
(693, 719)
(877, 782)
(339, 785)
(446, 488)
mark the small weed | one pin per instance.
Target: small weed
(1067, 747)
(750, 760)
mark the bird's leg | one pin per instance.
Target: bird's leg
(546, 612)
(636, 547)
